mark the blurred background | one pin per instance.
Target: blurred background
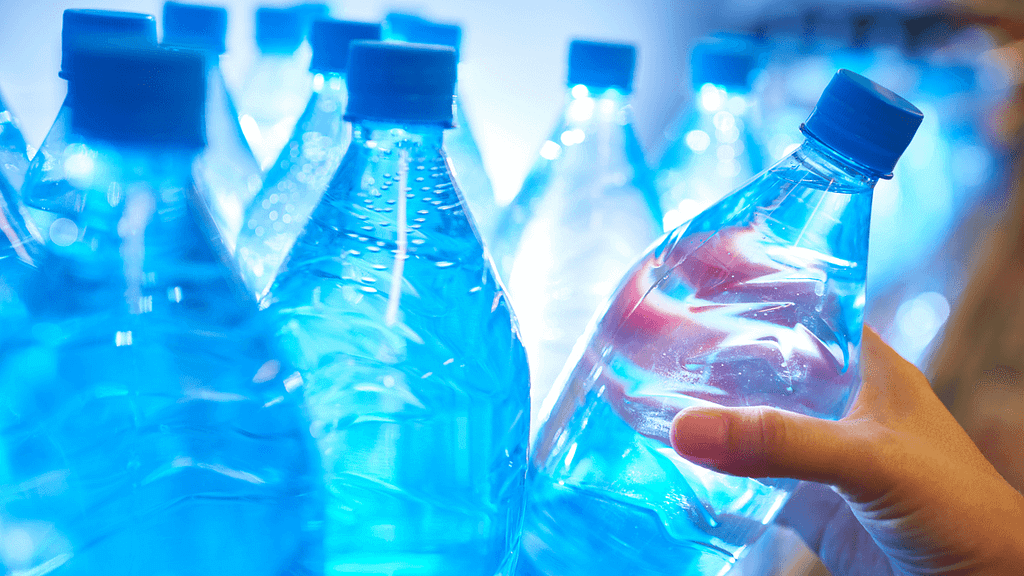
(946, 285)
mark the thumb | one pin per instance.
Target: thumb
(763, 442)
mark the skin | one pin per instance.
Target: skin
(895, 488)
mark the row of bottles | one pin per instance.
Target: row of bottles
(158, 417)
(320, 359)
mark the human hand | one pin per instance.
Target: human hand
(897, 486)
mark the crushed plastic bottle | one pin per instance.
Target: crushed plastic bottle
(147, 428)
(412, 370)
(586, 212)
(279, 85)
(294, 184)
(712, 149)
(756, 301)
(459, 143)
(226, 172)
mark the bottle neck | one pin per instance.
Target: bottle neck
(394, 188)
(844, 174)
(108, 178)
(136, 234)
(330, 85)
(590, 106)
(414, 139)
(714, 98)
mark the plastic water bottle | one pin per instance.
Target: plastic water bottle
(712, 150)
(147, 428)
(586, 212)
(279, 85)
(294, 184)
(45, 188)
(226, 172)
(756, 301)
(18, 246)
(459, 143)
(13, 152)
(412, 370)
(957, 168)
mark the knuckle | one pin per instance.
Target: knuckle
(768, 435)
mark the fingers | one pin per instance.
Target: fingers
(766, 442)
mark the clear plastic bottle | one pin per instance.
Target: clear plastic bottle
(586, 212)
(226, 172)
(459, 143)
(146, 426)
(45, 189)
(756, 301)
(951, 176)
(295, 182)
(413, 374)
(18, 250)
(279, 85)
(712, 149)
(13, 152)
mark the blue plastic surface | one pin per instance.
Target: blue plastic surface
(150, 96)
(406, 83)
(89, 27)
(147, 428)
(600, 65)
(727, 61)
(310, 12)
(203, 27)
(279, 30)
(865, 121)
(756, 301)
(330, 40)
(412, 369)
(586, 211)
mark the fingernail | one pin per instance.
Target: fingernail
(701, 434)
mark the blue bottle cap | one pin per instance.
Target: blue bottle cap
(90, 27)
(398, 24)
(414, 29)
(405, 83)
(726, 61)
(278, 30)
(330, 40)
(865, 122)
(602, 65)
(141, 96)
(202, 27)
(311, 12)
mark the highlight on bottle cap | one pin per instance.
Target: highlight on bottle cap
(331, 38)
(195, 26)
(728, 61)
(398, 82)
(278, 30)
(142, 96)
(864, 121)
(602, 65)
(92, 27)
